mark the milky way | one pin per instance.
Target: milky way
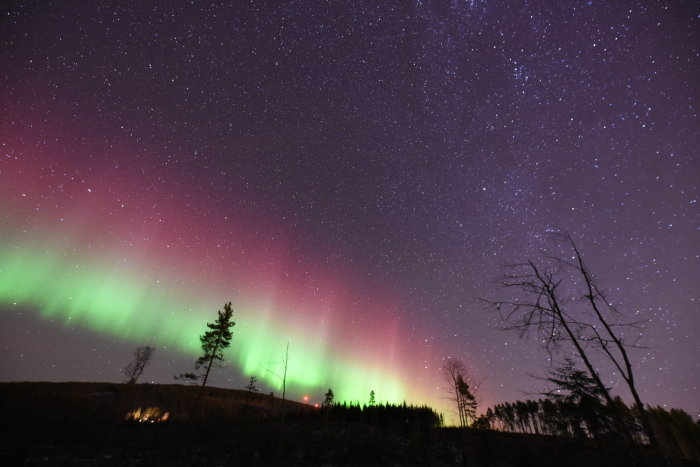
(351, 176)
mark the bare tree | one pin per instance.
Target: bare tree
(558, 299)
(142, 355)
(607, 340)
(283, 379)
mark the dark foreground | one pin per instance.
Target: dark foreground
(83, 424)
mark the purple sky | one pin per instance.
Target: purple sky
(423, 143)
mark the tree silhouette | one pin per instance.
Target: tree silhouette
(142, 355)
(213, 342)
(558, 299)
(678, 434)
(371, 398)
(329, 398)
(327, 406)
(456, 376)
(466, 401)
(572, 384)
(251, 384)
(283, 379)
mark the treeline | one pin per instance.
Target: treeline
(678, 435)
(389, 416)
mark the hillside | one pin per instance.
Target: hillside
(85, 424)
(110, 401)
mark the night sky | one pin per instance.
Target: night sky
(352, 176)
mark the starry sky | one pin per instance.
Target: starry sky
(352, 176)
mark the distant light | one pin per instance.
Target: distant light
(306, 399)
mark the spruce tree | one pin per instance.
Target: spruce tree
(329, 398)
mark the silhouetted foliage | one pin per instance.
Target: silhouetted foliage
(456, 375)
(213, 342)
(74, 423)
(251, 384)
(584, 416)
(560, 417)
(142, 355)
(467, 401)
(572, 384)
(329, 398)
(190, 377)
(576, 388)
(371, 398)
(678, 435)
(557, 298)
(383, 415)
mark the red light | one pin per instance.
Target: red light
(306, 399)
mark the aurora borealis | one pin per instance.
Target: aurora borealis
(351, 176)
(72, 276)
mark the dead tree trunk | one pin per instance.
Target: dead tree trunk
(539, 308)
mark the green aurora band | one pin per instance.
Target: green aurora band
(122, 301)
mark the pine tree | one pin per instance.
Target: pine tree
(327, 405)
(251, 384)
(329, 398)
(213, 341)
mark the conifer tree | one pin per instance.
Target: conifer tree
(251, 384)
(329, 398)
(215, 340)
